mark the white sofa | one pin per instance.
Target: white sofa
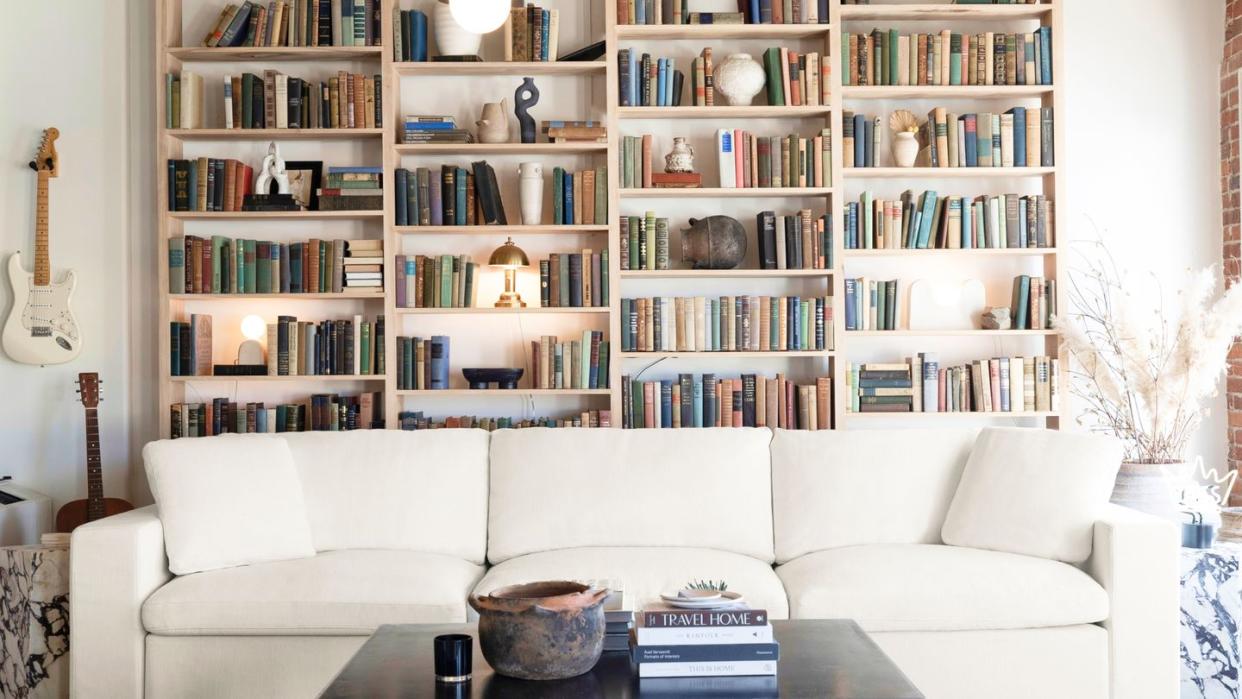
(807, 525)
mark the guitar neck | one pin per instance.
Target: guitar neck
(94, 468)
(43, 263)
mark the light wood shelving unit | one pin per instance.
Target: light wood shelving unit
(399, 76)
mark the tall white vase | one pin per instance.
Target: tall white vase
(451, 39)
(1146, 488)
(530, 193)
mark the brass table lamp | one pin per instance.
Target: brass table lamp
(509, 257)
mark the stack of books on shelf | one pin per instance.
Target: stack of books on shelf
(296, 23)
(436, 281)
(797, 79)
(417, 420)
(532, 34)
(423, 363)
(277, 101)
(574, 280)
(921, 384)
(363, 264)
(796, 241)
(709, 401)
(1034, 303)
(220, 265)
(208, 184)
(747, 160)
(330, 347)
(433, 128)
(453, 196)
(871, 304)
(1003, 221)
(409, 34)
(947, 58)
(352, 189)
(749, 12)
(579, 197)
(190, 347)
(644, 242)
(1019, 137)
(573, 364)
(574, 131)
(645, 82)
(726, 324)
(323, 412)
(674, 642)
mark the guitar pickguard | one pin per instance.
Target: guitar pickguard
(47, 311)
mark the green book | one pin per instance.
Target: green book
(446, 281)
(635, 254)
(604, 275)
(251, 247)
(263, 272)
(601, 195)
(217, 261)
(584, 360)
(237, 282)
(558, 196)
(893, 60)
(601, 375)
(881, 306)
(776, 88)
(955, 60)
(890, 305)
(845, 59)
(364, 343)
(649, 230)
(468, 286)
(563, 263)
(1021, 301)
(637, 417)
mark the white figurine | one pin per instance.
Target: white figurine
(273, 168)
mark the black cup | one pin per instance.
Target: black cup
(454, 657)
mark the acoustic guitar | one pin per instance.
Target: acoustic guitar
(95, 506)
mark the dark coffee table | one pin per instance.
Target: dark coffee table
(828, 658)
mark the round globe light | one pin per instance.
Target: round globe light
(253, 327)
(480, 16)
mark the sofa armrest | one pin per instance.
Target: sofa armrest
(1135, 558)
(115, 564)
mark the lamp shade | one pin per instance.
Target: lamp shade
(480, 16)
(509, 256)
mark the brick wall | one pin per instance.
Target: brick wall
(1231, 63)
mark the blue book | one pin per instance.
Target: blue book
(661, 81)
(192, 186)
(1019, 136)
(715, 315)
(1023, 233)
(666, 403)
(435, 194)
(968, 222)
(568, 213)
(669, 64)
(635, 78)
(868, 141)
(755, 13)
(439, 362)
(1045, 56)
(429, 126)
(260, 420)
(459, 210)
(972, 153)
(851, 292)
(1021, 301)
(710, 389)
(418, 37)
(926, 217)
(402, 214)
(697, 402)
(547, 32)
(1003, 372)
(867, 384)
(640, 13)
(860, 142)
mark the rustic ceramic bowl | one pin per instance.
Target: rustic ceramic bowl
(542, 630)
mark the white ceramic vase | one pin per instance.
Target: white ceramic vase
(530, 193)
(739, 78)
(905, 149)
(1146, 488)
(451, 39)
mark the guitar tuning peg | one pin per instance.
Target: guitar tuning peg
(33, 165)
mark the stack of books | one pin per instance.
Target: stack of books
(364, 264)
(672, 642)
(618, 618)
(569, 131)
(924, 384)
(352, 189)
(882, 388)
(433, 128)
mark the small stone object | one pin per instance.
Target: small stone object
(525, 97)
(997, 318)
(715, 242)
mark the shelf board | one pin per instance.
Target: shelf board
(951, 333)
(276, 379)
(724, 192)
(492, 392)
(500, 311)
(884, 92)
(898, 172)
(276, 53)
(960, 415)
(272, 134)
(722, 112)
(343, 296)
(951, 252)
(500, 148)
(487, 68)
(812, 354)
(721, 31)
(275, 215)
(724, 273)
(499, 230)
(932, 11)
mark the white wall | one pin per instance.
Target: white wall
(1140, 122)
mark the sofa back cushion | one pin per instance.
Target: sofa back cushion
(564, 488)
(390, 489)
(849, 487)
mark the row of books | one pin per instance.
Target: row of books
(323, 412)
(746, 160)
(1020, 137)
(190, 346)
(433, 128)
(423, 363)
(417, 420)
(579, 197)
(1034, 303)
(454, 196)
(749, 12)
(532, 34)
(278, 101)
(795, 241)
(1003, 221)
(644, 82)
(871, 304)
(409, 34)
(352, 346)
(726, 324)
(644, 242)
(703, 79)
(351, 188)
(947, 58)
(708, 401)
(921, 384)
(797, 79)
(296, 23)
(674, 646)
(570, 364)
(574, 280)
(220, 265)
(436, 281)
(208, 184)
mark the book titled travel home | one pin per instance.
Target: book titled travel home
(660, 617)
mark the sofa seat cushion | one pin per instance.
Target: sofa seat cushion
(645, 572)
(342, 593)
(927, 587)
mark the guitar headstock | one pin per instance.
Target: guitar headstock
(88, 389)
(46, 159)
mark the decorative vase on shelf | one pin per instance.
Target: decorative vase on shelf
(530, 193)
(451, 39)
(493, 123)
(715, 242)
(739, 77)
(905, 149)
(1148, 488)
(681, 158)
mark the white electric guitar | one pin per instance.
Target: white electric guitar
(41, 328)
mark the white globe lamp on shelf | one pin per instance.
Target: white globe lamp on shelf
(250, 352)
(480, 16)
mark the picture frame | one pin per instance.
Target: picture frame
(305, 180)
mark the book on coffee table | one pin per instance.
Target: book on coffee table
(674, 642)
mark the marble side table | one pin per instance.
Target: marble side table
(1211, 612)
(34, 621)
